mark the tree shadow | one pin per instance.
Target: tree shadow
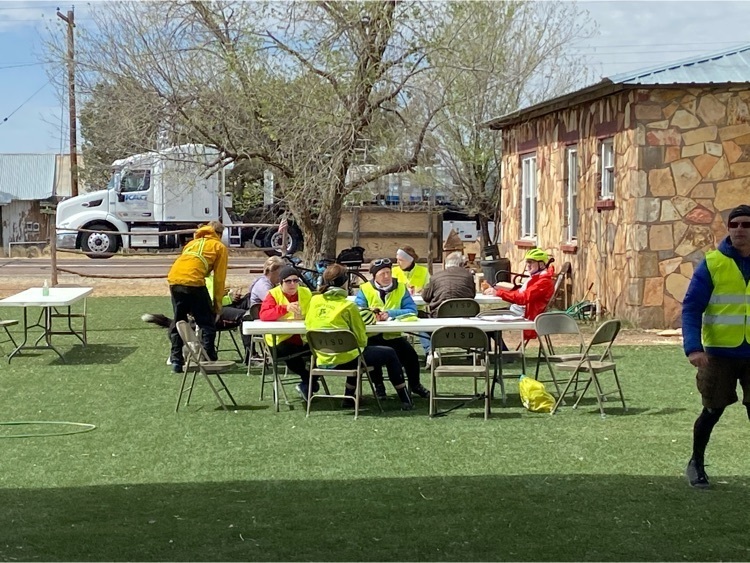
(95, 354)
(543, 517)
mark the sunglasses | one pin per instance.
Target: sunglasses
(292, 280)
(382, 262)
(738, 224)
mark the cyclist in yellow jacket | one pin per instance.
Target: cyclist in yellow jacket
(187, 286)
(391, 299)
(332, 310)
(414, 276)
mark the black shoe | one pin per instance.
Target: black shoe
(406, 406)
(301, 390)
(347, 404)
(696, 475)
(380, 391)
(421, 390)
(177, 368)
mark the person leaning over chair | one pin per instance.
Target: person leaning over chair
(530, 299)
(408, 273)
(187, 285)
(716, 302)
(288, 301)
(332, 310)
(388, 298)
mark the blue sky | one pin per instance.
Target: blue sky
(630, 35)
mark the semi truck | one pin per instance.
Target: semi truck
(151, 195)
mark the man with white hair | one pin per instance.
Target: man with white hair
(455, 281)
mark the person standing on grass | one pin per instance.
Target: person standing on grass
(716, 332)
(187, 285)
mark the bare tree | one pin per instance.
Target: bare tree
(294, 86)
(495, 57)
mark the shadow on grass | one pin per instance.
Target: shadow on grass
(480, 518)
(95, 354)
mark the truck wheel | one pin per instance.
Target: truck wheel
(100, 244)
(274, 238)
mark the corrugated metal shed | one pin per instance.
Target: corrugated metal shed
(27, 176)
(725, 67)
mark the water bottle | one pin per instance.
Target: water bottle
(45, 289)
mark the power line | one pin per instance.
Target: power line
(19, 65)
(24, 102)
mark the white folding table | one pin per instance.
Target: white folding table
(496, 325)
(59, 297)
(480, 298)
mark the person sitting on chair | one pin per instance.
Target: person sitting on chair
(530, 299)
(408, 273)
(288, 301)
(262, 285)
(390, 299)
(454, 281)
(332, 310)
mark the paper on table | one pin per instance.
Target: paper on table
(501, 318)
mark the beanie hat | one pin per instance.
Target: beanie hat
(739, 211)
(287, 271)
(380, 264)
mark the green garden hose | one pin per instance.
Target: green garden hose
(81, 428)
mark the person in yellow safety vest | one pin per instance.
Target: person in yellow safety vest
(716, 333)
(332, 310)
(187, 286)
(391, 299)
(414, 276)
(289, 301)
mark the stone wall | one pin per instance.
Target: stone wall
(682, 160)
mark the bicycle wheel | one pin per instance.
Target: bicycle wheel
(353, 280)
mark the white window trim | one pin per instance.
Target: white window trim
(607, 190)
(571, 193)
(529, 180)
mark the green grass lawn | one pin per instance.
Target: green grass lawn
(203, 484)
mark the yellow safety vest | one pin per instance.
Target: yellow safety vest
(304, 296)
(725, 320)
(418, 276)
(392, 301)
(332, 310)
(226, 300)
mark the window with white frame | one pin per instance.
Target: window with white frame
(528, 196)
(607, 158)
(571, 193)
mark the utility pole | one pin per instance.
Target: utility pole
(70, 20)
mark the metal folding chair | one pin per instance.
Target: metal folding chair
(591, 365)
(456, 308)
(336, 342)
(548, 325)
(474, 343)
(198, 362)
(9, 337)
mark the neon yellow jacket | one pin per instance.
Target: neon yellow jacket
(332, 310)
(725, 320)
(417, 277)
(201, 256)
(303, 295)
(226, 300)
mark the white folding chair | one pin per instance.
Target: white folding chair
(198, 362)
(547, 326)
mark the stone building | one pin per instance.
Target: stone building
(631, 180)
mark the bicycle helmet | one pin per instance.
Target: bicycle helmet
(537, 254)
(368, 316)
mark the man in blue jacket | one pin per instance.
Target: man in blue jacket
(384, 295)
(716, 331)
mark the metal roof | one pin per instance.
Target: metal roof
(726, 67)
(27, 176)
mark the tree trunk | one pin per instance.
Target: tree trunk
(484, 229)
(331, 227)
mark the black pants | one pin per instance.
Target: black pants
(376, 357)
(405, 354)
(193, 300)
(297, 364)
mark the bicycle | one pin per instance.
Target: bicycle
(313, 278)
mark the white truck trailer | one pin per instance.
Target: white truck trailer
(153, 193)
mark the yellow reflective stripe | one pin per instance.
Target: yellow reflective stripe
(732, 320)
(731, 299)
(198, 253)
